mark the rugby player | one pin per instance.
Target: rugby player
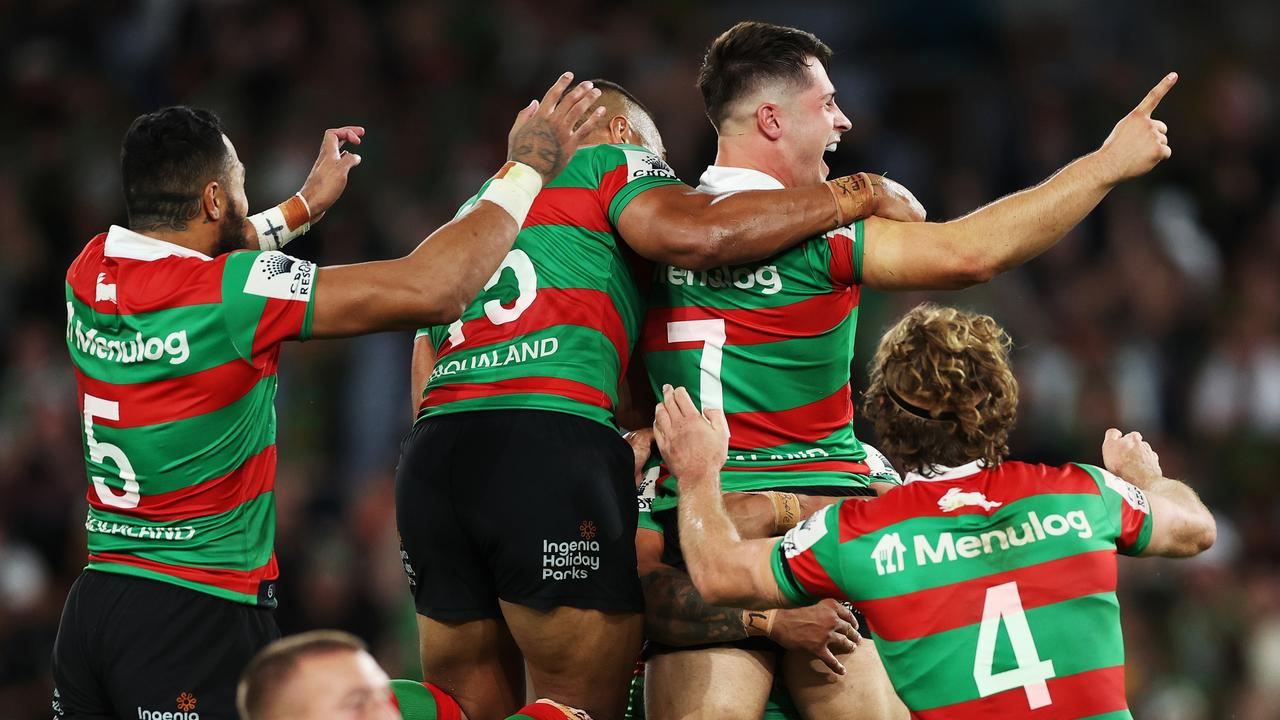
(771, 344)
(517, 419)
(174, 330)
(972, 549)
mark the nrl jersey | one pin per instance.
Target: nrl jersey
(771, 343)
(554, 327)
(991, 591)
(175, 356)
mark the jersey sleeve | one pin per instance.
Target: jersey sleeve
(1128, 509)
(267, 297)
(806, 561)
(846, 254)
(625, 171)
(882, 471)
(645, 495)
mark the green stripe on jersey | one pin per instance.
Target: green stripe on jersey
(135, 571)
(937, 670)
(213, 541)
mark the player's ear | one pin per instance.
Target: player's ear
(213, 201)
(769, 120)
(620, 131)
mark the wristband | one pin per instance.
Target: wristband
(786, 511)
(283, 223)
(758, 622)
(854, 196)
(513, 189)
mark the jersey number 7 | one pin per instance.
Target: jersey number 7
(712, 336)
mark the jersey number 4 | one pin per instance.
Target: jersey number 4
(526, 282)
(99, 451)
(1004, 604)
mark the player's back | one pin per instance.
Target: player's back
(174, 356)
(772, 344)
(554, 327)
(991, 591)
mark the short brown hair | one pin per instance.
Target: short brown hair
(270, 669)
(942, 392)
(750, 54)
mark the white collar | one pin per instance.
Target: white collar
(720, 179)
(938, 473)
(125, 243)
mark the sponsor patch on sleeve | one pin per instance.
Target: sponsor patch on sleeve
(806, 534)
(648, 489)
(644, 164)
(881, 469)
(280, 276)
(1130, 492)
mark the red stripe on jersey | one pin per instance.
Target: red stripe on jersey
(571, 389)
(255, 476)
(925, 612)
(551, 307)
(148, 285)
(808, 571)
(845, 466)
(841, 265)
(804, 319)
(1006, 483)
(241, 581)
(280, 320)
(610, 183)
(446, 707)
(174, 399)
(807, 423)
(1131, 522)
(580, 207)
(1075, 696)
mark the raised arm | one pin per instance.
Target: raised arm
(433, 284)
(680, 226)
(1181, 525)
(1010, 231)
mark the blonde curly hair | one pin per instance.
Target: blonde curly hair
(942, 392)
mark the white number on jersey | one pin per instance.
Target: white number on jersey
(99, 451)
(1004, 604)
(527, 282)
(712, 336)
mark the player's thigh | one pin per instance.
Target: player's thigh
(477, 662)
(718, 683)
(140, 648)
(862, 693)
(580, 657)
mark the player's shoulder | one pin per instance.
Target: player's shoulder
(599, 161)
(1022, 478)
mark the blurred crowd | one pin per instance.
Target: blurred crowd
(1160, 313)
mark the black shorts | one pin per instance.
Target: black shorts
(536, 508)
(672, 556)
(129, 647)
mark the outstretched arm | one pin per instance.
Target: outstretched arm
(1010, 231)
(1181, 525)
(680, 226)
(433, 284)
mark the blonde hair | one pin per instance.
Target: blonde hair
(942, 392)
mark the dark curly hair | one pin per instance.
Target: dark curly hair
(942, 392)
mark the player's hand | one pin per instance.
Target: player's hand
(544, 135)
(1131, 457)
(1138, 142)
(641, 442)
(328, 178)
(894, 202)
(825, 630)
(693, 445)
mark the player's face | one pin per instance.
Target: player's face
(816, 123)
(233, 231)
(340, 686)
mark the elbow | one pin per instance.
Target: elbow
(713, 585)
(973, 269)
(1207, 533)
(441, 309)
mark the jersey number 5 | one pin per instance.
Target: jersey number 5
(99, 451)
(527, 284)
(1004, 604)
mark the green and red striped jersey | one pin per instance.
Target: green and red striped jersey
(175, 362)
(991, 591)
(771, 343)
(554, 327)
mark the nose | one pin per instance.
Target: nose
(843, 124)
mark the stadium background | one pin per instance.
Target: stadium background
(1161, 313)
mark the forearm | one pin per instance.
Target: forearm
(677, 614)
(1018, 227)
(719, 560)
(754, 225)
(1183, 524)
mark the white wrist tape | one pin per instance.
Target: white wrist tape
(283, 223)
(513, 189)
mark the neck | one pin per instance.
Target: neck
(203, 237)
(754, 152)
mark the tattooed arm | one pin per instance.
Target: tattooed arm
(675, 613)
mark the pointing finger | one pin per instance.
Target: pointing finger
(1157, 94)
